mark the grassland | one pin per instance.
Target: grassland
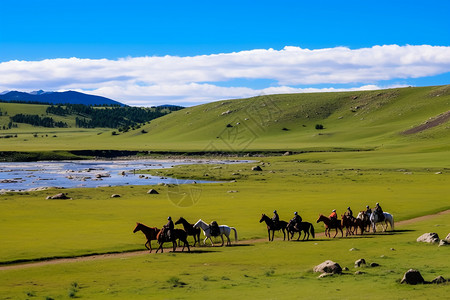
(360, 158)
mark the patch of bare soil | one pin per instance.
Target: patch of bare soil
(137, 253)
(430, 123)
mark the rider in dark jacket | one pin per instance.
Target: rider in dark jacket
(168, 228)
(275, 218)
(379, 211)
(297, 219)
(349, 212)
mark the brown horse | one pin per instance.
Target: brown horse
(330, 224)
(306, 227)
(271, 226)
(364, 219)
(190, 229)
(150, 234)
(177, 234)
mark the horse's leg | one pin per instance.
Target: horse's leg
(284, 234)
(221, 236)
(268, 232)
(342, 234)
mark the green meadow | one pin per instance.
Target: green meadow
(360, 157)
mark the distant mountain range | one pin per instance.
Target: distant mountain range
(70, 97)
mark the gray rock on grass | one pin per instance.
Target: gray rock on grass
(412, 277)
(328, 266)
(430, 237)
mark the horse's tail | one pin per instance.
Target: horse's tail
(392, 222)
(235, 234)
(312, 230)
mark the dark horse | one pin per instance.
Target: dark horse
(190, 229)
(330, 224)
(177, 234)
(150, 234)
(272, 227)
(352, 224)
(306, 227)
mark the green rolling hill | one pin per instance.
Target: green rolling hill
(411, 120)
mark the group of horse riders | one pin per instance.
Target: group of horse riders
(167, 229)
(333, 216)
(296, 219)
(378, 210)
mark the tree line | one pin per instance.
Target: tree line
(36, 120)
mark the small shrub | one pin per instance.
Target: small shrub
(175, 282)
(319, 126)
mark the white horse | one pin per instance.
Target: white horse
(224, 229)
(387, 218)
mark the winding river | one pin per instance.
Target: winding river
(27, 176)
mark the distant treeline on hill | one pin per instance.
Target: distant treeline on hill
(36, 120)
(110, 116)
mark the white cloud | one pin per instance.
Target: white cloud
(189, 80)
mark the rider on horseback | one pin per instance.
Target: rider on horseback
(297, 220)
(349, 212)
(275, 218)
(368, 211)
(333, 217)
(168, 228)
(379, 212)
(214, 228)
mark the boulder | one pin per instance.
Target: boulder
(328, 267)
(448, 238)
(256, 168)
(359, 273)
(412, 277)
(374, 264)
(360, 262)
(430, 237)
(152, 191)
(439, 279)
(115, 196)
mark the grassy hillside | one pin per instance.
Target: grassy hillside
(353, 120)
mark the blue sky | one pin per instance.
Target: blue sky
(41, 34)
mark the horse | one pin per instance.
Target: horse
(224, 230)
(176, 234)
(271, 226)
(374, 219)
(150, 234)
(364, 219)
(306, 227)
(190, 229)
(330, 224)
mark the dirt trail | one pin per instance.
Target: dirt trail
(136, 253)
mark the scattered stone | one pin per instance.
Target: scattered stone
(412, 277)
(360, 262)
(58, 196)
(162, 184)
(287, 153)
(447, 238)
(353, 249)
(152, 191)
(374, 264)
(328, 266)
(345, 269)
(115, 196)
(256, 168)
(392, 249)
(437, 173)
(359, 272)
(430, 237)
(232, 191)
(439, 280)
(226, 112)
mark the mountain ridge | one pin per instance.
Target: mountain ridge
(67, 97)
